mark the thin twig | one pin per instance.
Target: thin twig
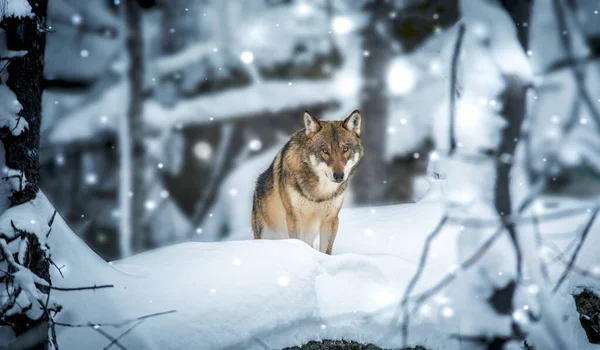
(584, 235)
(94, 287)
(578, 73)
(419, 299)
(413, 282)
(129, 330)
(453, 91)
(525, 220)
(117, 324)
(109, 337)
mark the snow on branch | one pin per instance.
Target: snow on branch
(15, 8)
(10, 108)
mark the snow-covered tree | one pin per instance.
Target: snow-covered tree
(24, 255)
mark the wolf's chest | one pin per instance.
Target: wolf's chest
(306, 207)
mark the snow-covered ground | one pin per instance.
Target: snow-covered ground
(250, 294)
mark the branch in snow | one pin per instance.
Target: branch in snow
(522, 220)
(413, 282)
(94, 287)
(109, 337)
(466, 264)
(116, 324)
(584, 235)
(578, 73)
(453, 87)
(570, 63)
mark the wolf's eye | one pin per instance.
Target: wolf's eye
(345, 149)
(325, 151)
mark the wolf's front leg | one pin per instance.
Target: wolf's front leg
(328, 230)
(292, 225)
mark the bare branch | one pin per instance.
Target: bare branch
(411, 285)
(419, 299)
(578, 73)
(129, 330)
(109, 337)
(453, 91)
(584, 234)
(94, 287)
(51, 221)
(117, 324)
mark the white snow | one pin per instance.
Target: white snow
(282, 293)
(15, 8)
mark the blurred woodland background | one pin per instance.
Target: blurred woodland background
(169, 150)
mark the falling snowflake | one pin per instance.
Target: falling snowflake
(60, 160)
(76, 19)
(255, 145)
(91, 179)
(84, 53)
(447, 312)
(150, 205)
(283, 281)
(247, 57)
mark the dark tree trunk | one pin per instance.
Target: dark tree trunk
(136, 125)
(22, 151)
(514, 99)
(369, 182)
(25, 80)
(179, 28)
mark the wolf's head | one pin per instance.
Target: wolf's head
(334, 148)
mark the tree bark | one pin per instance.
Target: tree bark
(132, 150)
(22, 151)
(369, 184)
(25, 80)
(514, 110)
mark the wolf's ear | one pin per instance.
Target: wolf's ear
(311, 124)
(352, 123)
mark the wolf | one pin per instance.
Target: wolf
(302, 191)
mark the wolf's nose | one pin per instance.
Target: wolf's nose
(338, 176)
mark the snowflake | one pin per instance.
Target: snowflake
(447, 312)
(283, 281)
(255, 145)
(150, 205)
(247, 57)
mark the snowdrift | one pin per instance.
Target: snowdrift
(273, 294)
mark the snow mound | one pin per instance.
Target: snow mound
(255, 293)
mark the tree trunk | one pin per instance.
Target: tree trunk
(25, 78)
(515, 104)
(25, 75)
(369, 183)
(132, 163)
(179, 27)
